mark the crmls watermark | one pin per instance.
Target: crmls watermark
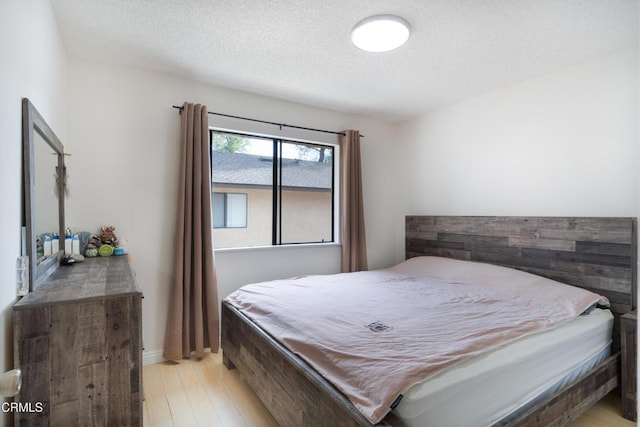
(22, 407)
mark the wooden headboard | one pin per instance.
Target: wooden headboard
(599, 254)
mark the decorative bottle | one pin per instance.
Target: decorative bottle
(55, 244)
(68, 240)
(75, 245)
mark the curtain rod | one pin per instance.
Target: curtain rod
(281, 125)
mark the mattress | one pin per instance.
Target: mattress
(488, 388)
(373, 335)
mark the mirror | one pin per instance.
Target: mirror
(44, 187)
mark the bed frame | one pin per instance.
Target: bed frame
(593, 253)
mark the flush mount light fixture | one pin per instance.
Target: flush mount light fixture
(380, 33)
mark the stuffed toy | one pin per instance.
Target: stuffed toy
(108, 236)
(92, 245)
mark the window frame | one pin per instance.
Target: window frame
(276, 187)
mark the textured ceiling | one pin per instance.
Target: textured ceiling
(301, 50)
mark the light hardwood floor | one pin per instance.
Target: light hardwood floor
(204, 393)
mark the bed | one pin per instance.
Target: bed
(597, 254)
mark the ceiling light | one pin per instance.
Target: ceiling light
(380, 33)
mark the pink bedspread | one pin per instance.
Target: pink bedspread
(375, 334)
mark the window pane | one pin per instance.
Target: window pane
(307, 193)
(236, 210)
(242, 167)
(252, 207)
(218, 210)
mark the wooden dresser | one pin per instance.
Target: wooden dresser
(78, 343)
(628, 345)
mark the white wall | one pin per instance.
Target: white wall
(563, 144)
(34, 66)
(123, 135)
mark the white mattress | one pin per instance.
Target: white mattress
(484, 390)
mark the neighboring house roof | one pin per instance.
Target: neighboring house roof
(249, 169)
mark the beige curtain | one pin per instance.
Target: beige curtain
(354, 244)
(192, 324)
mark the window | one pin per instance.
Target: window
(229, 210)
(271, 191)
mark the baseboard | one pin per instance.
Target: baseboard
(149, 357)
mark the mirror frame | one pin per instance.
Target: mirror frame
(32, 121)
